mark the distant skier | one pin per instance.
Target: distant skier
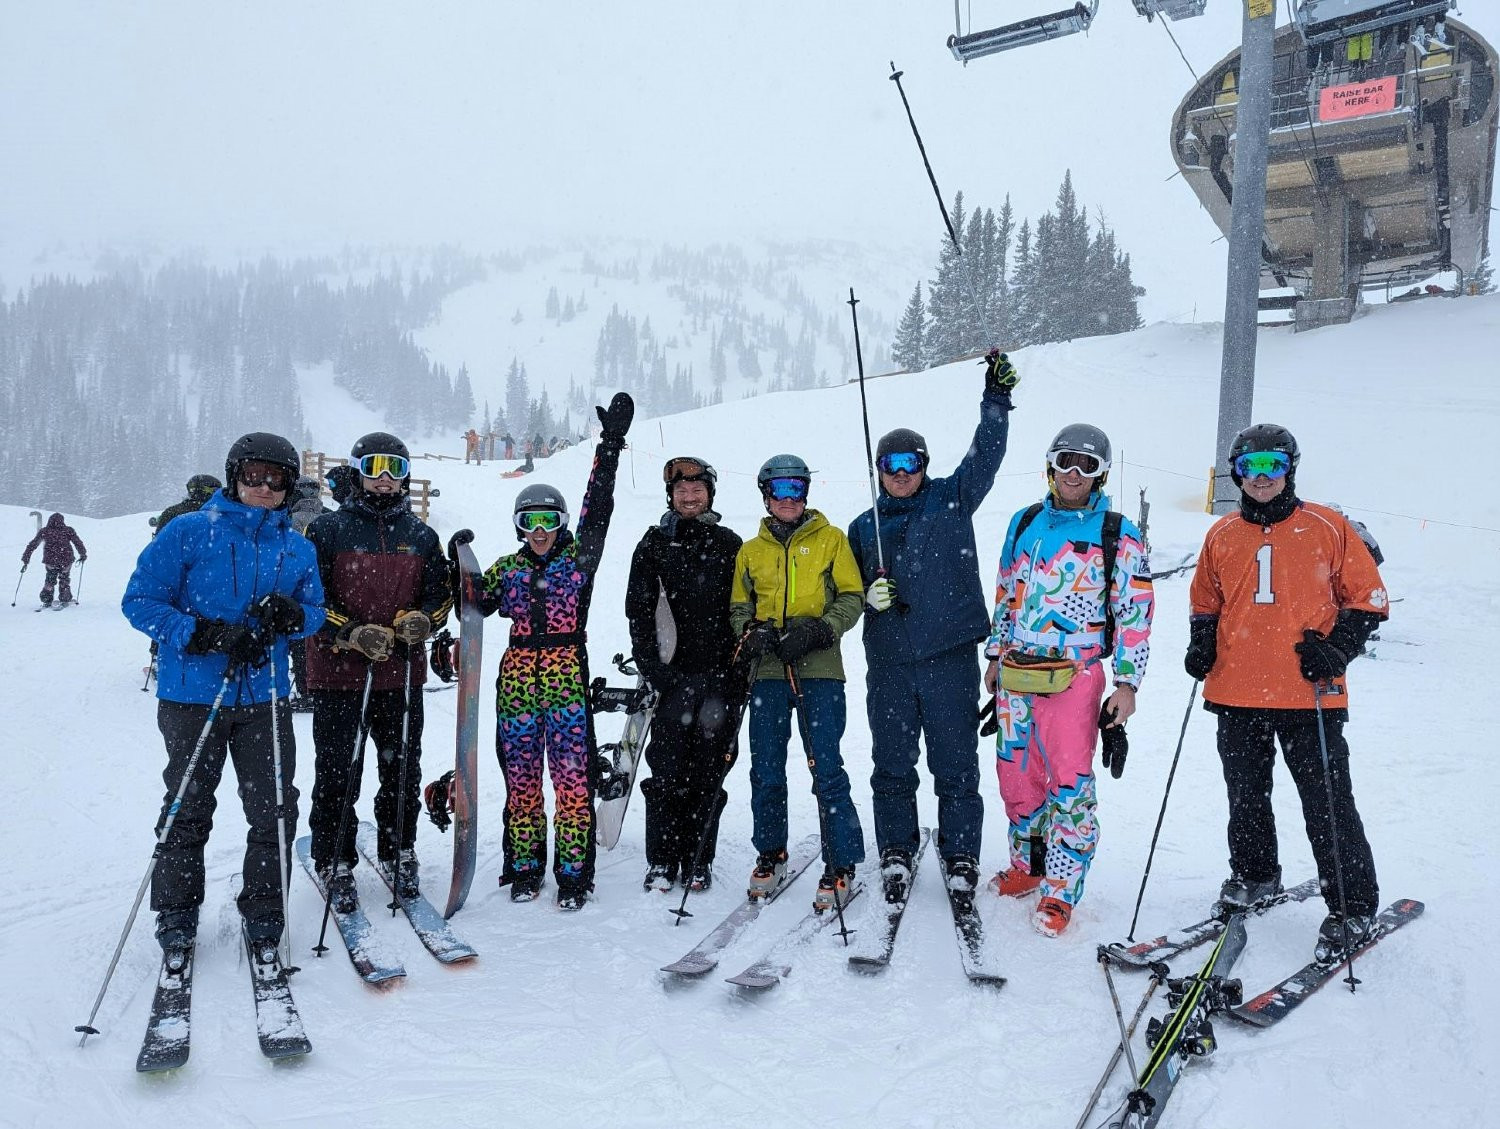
(544, 589)
(1285, 595)
(387, 589)
(222, 590)
(307, 504)
(59, 539)
(200, 488)
(686, 559)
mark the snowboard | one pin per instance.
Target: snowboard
(618, 762)
(464, 796)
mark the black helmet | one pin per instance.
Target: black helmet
(688, 468)
(900, 442)
(782, 466)
(201, 487)
(378, 443)
(261, 446)
(1264, 437)
(540, 496)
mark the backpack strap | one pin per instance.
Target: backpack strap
(1111, 546)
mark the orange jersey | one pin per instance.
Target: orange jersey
(1268, 584)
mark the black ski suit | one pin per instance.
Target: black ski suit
(689, 563)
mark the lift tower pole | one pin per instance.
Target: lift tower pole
(1247, 229)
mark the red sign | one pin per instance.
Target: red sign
(1357, 99)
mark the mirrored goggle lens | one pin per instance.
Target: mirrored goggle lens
(785, 489)
(264, 474)
(908, 462)
(1267, 464)
(373, 466)
(547, 520)
(690, 469)
(1090, 466)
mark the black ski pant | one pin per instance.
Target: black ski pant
(335, 727)
(297, 648)
(243, 733)
(693, 743)
(1247, 751)
(61, 579)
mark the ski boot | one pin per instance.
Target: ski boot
(659, 877)
(338, 883)
(895, 874)
(525, 886)
(698, 878)
(1330, 945)
(407, 876)
(769, 873)
(833, 888)
(176, 929)
(1015, 883)
(963, 881)
(1238, 894)
(1051, 917)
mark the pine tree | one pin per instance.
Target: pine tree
(907, 352)
(553, 311)
(517, 395)
(946, 299)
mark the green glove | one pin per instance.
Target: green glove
(999, 374)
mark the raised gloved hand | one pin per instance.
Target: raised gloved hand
(804, 635)
(441, 655)
(1321, 660)
(412, 627)
(1113, 742)
(373, 640)
(214, 636)
(616, 418)
(881, 594)
(1000, 376)
(1203, 646)
(757, 639)
(279, 614)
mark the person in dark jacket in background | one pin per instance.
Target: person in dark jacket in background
(221, 591)
(387, 587)
(686, 560)
(927, 615)
(307, 504)
(200, 488)
(59, 539)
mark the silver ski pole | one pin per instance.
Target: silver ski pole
(1158, 977)
(1333, 827)
(401, 792)
(25, 565)
(283, 858)
(88, 1028)
(356, 767)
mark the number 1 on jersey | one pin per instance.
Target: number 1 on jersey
(1264, 593)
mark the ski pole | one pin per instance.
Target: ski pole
(283, 858)
(401, 791)
(88, 1028)
(980, 319)
(1333, 827)
(1193, 693)
(864, 411)
(804, 726)
(1159, 973)
(24, 566)
(356, 766)
(78, 589)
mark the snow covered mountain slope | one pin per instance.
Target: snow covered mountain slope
(564, 1020)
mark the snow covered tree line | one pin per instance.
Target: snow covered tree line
(1054, 280)
(117, 389)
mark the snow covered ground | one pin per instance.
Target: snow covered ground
(564, 1019)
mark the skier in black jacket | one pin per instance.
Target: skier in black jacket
(686, 561)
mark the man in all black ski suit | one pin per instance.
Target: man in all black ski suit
(387, 588)
(687, 560)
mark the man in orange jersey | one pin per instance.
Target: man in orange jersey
(1284, 596)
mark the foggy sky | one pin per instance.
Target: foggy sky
(239, 127)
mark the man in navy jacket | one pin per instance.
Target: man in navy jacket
(928, 614)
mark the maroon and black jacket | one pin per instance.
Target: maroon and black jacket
(374, 564)
(59, 538)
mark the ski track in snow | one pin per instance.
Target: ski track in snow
(564, 1019)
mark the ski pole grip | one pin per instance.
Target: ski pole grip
(462, 537)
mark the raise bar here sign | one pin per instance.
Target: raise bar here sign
(1357, 99)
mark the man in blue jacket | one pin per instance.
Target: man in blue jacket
(220, 591)
(928, 614)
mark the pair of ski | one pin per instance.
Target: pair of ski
(358, 933)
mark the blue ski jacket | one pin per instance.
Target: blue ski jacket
(928, 540)
(216, 564)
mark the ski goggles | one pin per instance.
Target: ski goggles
(1263, 464)
(685, 470)
(1090, 466)
(900, 462)
(373, 466)
(253, 473)
(786, 489)
(545, 520)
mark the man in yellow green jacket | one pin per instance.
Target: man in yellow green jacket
(797, 589)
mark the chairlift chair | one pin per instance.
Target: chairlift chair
(1324, 21)
(1171, 9)
(1022, 33)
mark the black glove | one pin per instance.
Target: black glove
(1203, 646)
(214, 636)
(441, 655)
(1113, 741)
(279, 614)
(616, 418)
(1000, 376)
(757, 639)
(989, 724)
(803, 636)
(1321, 660)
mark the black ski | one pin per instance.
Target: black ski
(434, 932)
(1186, 1032)
(373, 966)
(1277, 1002)
(166, 1044)
(968, 926)
(1143, 954)
(769, 970)
(277, 1021)
(884, 920)
(704, 956)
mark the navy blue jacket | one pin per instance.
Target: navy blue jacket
(215, 564)
(930, 553)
